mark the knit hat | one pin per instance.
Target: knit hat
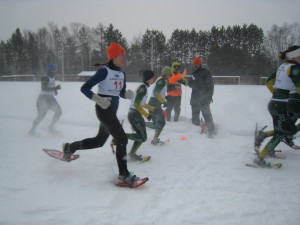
(51, 67)
(197, 60)
(166, 71)
(175, 64)
(114, 50)
(146, 75)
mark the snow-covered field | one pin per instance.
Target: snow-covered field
(191, 182)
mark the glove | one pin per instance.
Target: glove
(103, 102)
(165, 104)
(129, 94)
(149, 117)
(58, 87)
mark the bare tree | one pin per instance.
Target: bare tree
(280, 38)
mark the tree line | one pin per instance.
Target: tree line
(234, 50)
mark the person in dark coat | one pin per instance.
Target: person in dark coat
(202, 86)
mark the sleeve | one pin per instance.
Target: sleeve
(123, 91)
(140, 93)
(270, 81)
(86, 88)
(210, 84)
(294, 73)
(159, 86)
(183, 81)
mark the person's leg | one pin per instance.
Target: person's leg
(205, 109)
(42, 108)
(158, 121)
(109, 125)
(55, 107)
(138, 124)
(280, 123)
(170, 106)
(196, 114)
(177, 107)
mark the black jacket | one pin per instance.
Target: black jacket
(202, 87)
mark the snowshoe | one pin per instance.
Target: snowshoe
(261, 163)
(131, 181)
(60, 155)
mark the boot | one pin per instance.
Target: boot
(157, 142)
(130, 178)
(67, 151)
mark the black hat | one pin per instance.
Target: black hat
(146, 75)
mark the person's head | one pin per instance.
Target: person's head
(292, 53)
(51, 69)
(116, 53)
(175, 67)
(197, 62)
(147, 76)
(166, 72)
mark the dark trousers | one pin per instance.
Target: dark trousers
(174, 102)
(293, 114)
(205, 109)
(278, 111)
(109, 125)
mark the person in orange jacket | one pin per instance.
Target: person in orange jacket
(174, 91)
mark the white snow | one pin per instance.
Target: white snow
(191, 182)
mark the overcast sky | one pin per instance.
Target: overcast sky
(133, 17)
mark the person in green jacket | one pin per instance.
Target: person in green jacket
(284, 105)
(136, 113)
(157, 100)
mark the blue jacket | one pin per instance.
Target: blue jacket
(99, 76)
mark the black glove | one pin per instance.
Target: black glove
(149, 117)
(165, 104)
(58, 87)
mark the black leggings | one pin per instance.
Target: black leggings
(109, 125)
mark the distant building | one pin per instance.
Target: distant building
(85, 75)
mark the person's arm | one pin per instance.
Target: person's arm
(294, 74)
(160, 84)
(270, 81)
(123, 91)
(209, 86)
(86, 88)
(140, 93)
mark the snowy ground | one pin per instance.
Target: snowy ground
(194, 181)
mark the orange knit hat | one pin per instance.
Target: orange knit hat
(113, 50)
(197, 60)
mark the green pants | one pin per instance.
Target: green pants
(138, 124)
(158, 118)
(283, 126)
